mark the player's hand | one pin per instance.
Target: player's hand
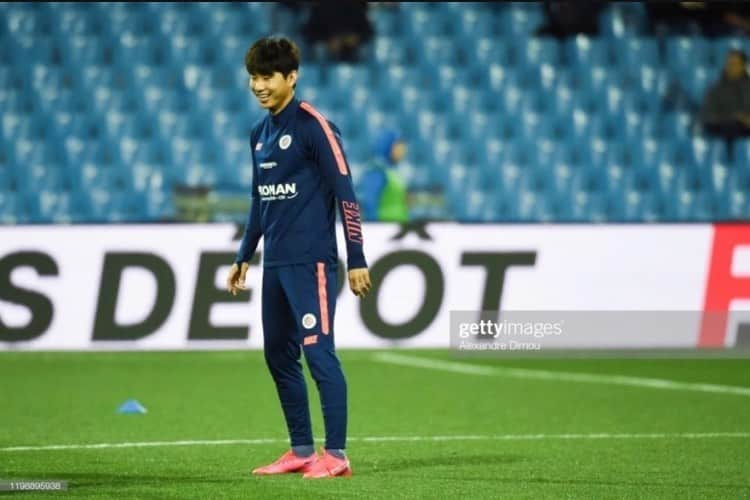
(236, 278)
(359, 281)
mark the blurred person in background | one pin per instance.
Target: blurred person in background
(342, 27)
(726, 106)
(384, 194)
(571, 18)
(708, 18)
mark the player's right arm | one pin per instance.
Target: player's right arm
(253, 232)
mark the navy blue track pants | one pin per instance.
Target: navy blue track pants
(299, 302)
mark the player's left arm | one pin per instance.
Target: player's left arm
(328, 153)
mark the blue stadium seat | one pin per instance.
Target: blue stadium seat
(721, 47)
(667, 178)
(488, 51)
(583, 52)
(589, 180)
(442, 50)
(29, 19)
(677, 126)
(503, 173)
(684, 53)
(705, 152)
(598, 152)
(741, 153)
(155, 98)
(587, 206)
(701, 80)
(136, 20)
(637, 51)
(345, 77)
(475, 206)
(633, 206)
(580, 124)
(622, 20)
(473, 22)
(134, 149)
(533, 207)
(97, 100)
(519, 19)
(42, 176)
(650, 151)
(630, 125)
(536, 51)
(78, 23)
(695, 206)
(737, 205)
(87, 49)
(394, 51)
(420, 22)
(26, 126)
(187, 21)
(92, 176)
(643, 178)
(11, 207)
(387, 21)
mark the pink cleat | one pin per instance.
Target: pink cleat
(328, 466)
(289, 462)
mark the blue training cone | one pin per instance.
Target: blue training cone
(131, 407)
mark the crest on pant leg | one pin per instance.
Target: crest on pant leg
(309, 321)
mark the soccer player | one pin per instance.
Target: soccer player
(300, 178)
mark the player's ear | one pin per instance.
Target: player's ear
(291, 78)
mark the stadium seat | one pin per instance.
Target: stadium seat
(583, 52)
(536, 51)
(519, 20)
(421, 22)
(95, 96)
(637, 51)
(741, 153)
(721, 47)
(622, 20)
(475, 23)
(684, 53)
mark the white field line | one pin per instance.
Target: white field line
(384, 439)
(523, 373)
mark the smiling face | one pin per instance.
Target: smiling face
(273, 91)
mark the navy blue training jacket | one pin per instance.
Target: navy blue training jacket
(300, 178)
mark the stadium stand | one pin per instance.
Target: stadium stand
(107, 108)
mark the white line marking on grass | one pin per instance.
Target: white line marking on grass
(384, 439)
(524, 373)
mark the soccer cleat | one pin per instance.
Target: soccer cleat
(328, 465)
(289, 462)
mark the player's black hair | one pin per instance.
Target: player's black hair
(271, 54)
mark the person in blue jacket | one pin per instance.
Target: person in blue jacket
(300, 178)
(383, 193)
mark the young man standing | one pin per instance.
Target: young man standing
(300, 177)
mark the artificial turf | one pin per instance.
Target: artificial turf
(415, 432)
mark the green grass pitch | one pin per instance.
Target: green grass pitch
(523, 438)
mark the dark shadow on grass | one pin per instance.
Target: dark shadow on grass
(469, 476)
(86, 480)
(637, 483)
(445, 460)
